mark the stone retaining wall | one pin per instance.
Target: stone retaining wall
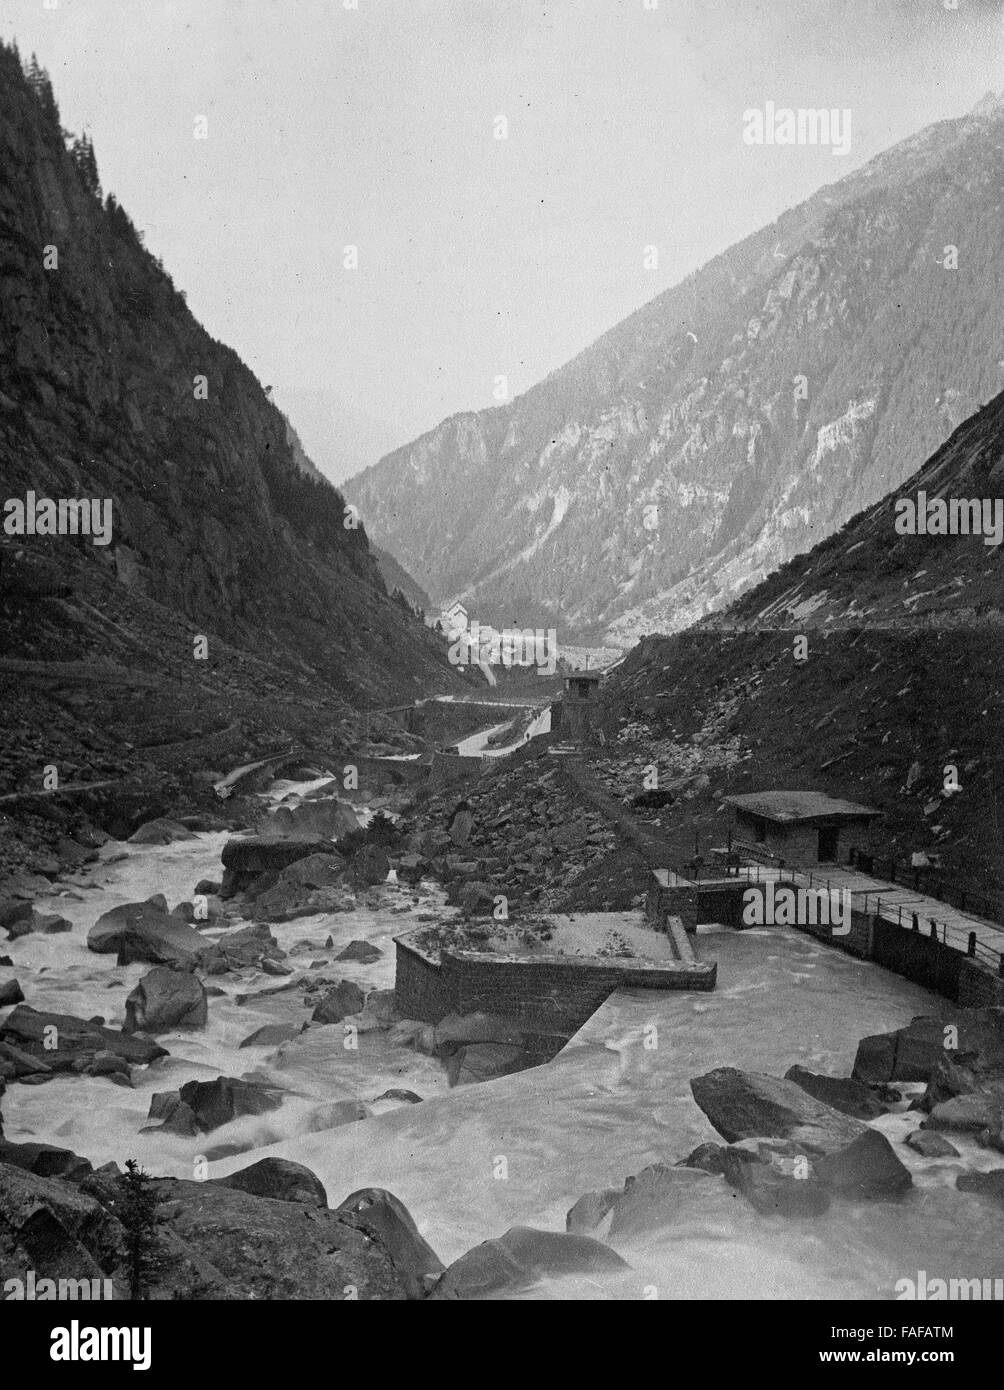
(548, 993)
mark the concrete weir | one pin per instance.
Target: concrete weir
(554, 989)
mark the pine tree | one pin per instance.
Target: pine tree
(138, 1214)
(82, 154)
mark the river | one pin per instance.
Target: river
(471, 1162)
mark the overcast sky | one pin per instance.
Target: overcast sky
(478, 257)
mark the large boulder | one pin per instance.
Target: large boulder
(280, 1179)
(588, 1213)
(390, 1224)
(285, 900)
(866, 1168)
(174, 1115)
(65, 1043)
(369, 866)
(11, 993)
(485, 1061)
(984, 1184)
(327, 818)
(930, 1144)
(363, 952)
(461, 824)
(254, 862)
(311, 885)
(216, 1103)
(411, 868)
(17, 1063)
(242, 948)
(478, 1047)
(50, 1227)
(843, 1093)
(972, 1114)
(271, 1035)
(147, 932)
(233, 1244)
(29, 920)
(166, 999)
(746, 1105)
(972, 1038)
(107, 931)
(45, 1160)
(161, 831)
(316, 870)
(345, 999)
(521, 1258)
(171, 942)
(775, 1188)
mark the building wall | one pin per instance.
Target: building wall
(674, 900)
(799, 844)
(979, 987)
(853, 835)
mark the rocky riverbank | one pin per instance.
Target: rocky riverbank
(236, 1035)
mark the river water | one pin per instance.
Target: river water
(471, 1162)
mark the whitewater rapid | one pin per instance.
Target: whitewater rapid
(471, 1162)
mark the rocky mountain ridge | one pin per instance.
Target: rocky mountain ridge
(734, 420)
(109, 388)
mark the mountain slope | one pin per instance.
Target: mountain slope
(109, 388)
(870, 573)
(221, 529)
(833, 350)
(901, 678)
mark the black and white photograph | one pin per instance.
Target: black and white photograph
(501, 671)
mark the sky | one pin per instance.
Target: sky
(374, 124)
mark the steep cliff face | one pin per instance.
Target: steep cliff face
(866, 669)
(929, 555)
(734, 420)
(110, 389)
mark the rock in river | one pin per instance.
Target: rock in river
(166, 999)
(747, 1105)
